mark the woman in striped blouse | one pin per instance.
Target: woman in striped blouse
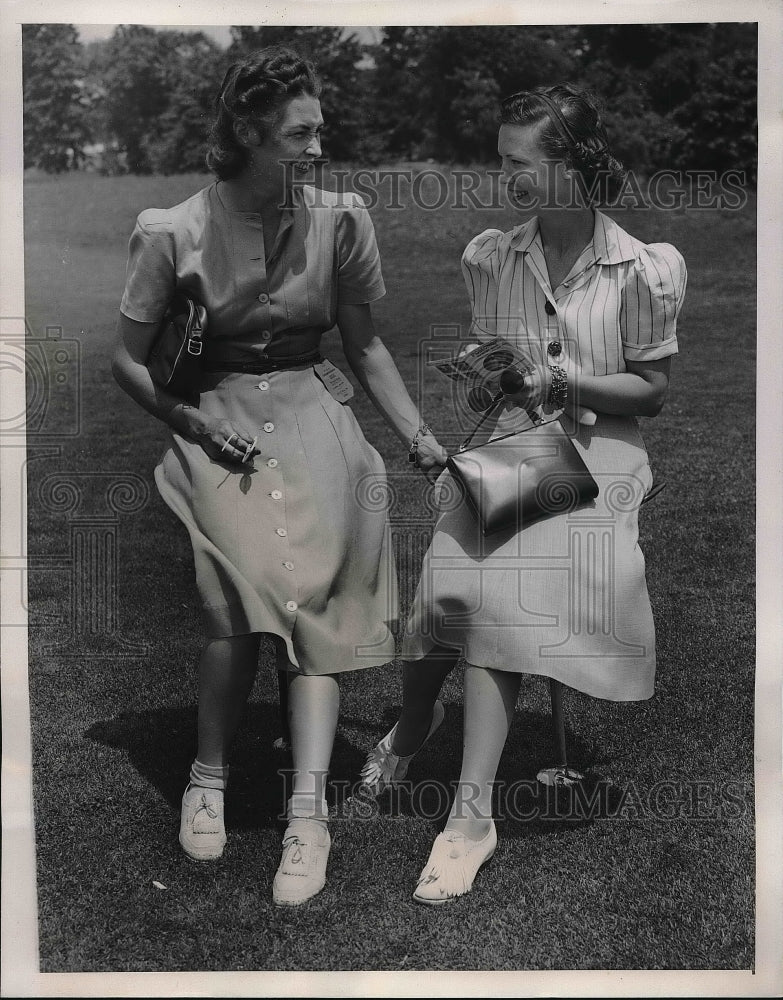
(595, 310)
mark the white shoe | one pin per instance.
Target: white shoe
(302, 871)
(383, 768)
(202, 832)
(453, 864)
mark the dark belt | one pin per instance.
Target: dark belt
(264, 365)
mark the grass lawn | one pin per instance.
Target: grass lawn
(661, 877)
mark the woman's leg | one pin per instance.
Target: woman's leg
(226, 675)
(490, 700)
(421, 684)
(313, 707)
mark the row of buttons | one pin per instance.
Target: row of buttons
(272, 463)
(553, 349)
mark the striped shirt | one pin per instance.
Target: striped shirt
(619, 302)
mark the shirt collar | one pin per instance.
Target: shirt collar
(611, 243)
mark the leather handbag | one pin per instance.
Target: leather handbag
(174, 361)
(522, 477)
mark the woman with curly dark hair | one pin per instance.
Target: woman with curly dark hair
(595, 312)
(267, 467)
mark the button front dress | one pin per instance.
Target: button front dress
(294, 544)
(565, 597)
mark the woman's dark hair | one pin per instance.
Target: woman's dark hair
(255, 90)
(573, 132)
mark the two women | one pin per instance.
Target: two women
(268, 468)
(265, 471)
(595, 311)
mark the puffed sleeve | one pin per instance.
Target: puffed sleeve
(480, 269)
(150, 276)
(652, 299)
(359, 277)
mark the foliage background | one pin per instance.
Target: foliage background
(113, 736)
(680, 96)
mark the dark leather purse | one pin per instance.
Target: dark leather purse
(522, 477)
(174, 361)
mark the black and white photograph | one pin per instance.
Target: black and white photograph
(391, 499)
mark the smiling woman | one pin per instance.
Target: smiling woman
(594, 311)
(269, 455)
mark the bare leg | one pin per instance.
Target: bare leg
(490, 699)
(421, 684)
(226, 674)
(313, 706)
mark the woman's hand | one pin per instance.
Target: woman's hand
(221, 439)
(430, 456)
(531, 387)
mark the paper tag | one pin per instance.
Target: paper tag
(336, 383)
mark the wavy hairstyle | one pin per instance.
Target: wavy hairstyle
(255, 90)
(573, 132)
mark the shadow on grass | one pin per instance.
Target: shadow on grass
(522, 804)
(160, 746)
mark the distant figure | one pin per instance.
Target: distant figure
(268, 468)
(596, 310)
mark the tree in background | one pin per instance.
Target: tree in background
(158, 88)
(397, 117)
(436, 89)
(468, 70)
(717, 119)
(55, 116)
(177, 143)
(674, 95)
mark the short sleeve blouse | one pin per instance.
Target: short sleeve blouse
(620, 301)
(325, 254)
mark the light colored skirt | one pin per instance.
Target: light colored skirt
(295, 545)
(565, 597)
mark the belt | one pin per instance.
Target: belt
(262, 366)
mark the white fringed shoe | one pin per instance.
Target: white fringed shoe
(453, 864)
(202, 832)
(302, 871)
(383, 768)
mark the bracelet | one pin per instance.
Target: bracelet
(424, 429)
(558, 391)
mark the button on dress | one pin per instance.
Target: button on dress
(285, 545)
(565, 597)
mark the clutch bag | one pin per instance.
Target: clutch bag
(522, 477)
(174, 361)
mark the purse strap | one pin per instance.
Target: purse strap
(534, 418)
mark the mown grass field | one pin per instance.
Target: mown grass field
(664, 882)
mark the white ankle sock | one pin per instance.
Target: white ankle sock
(208, 776)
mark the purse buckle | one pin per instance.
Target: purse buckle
(195, 346)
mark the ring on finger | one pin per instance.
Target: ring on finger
(228, 440)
